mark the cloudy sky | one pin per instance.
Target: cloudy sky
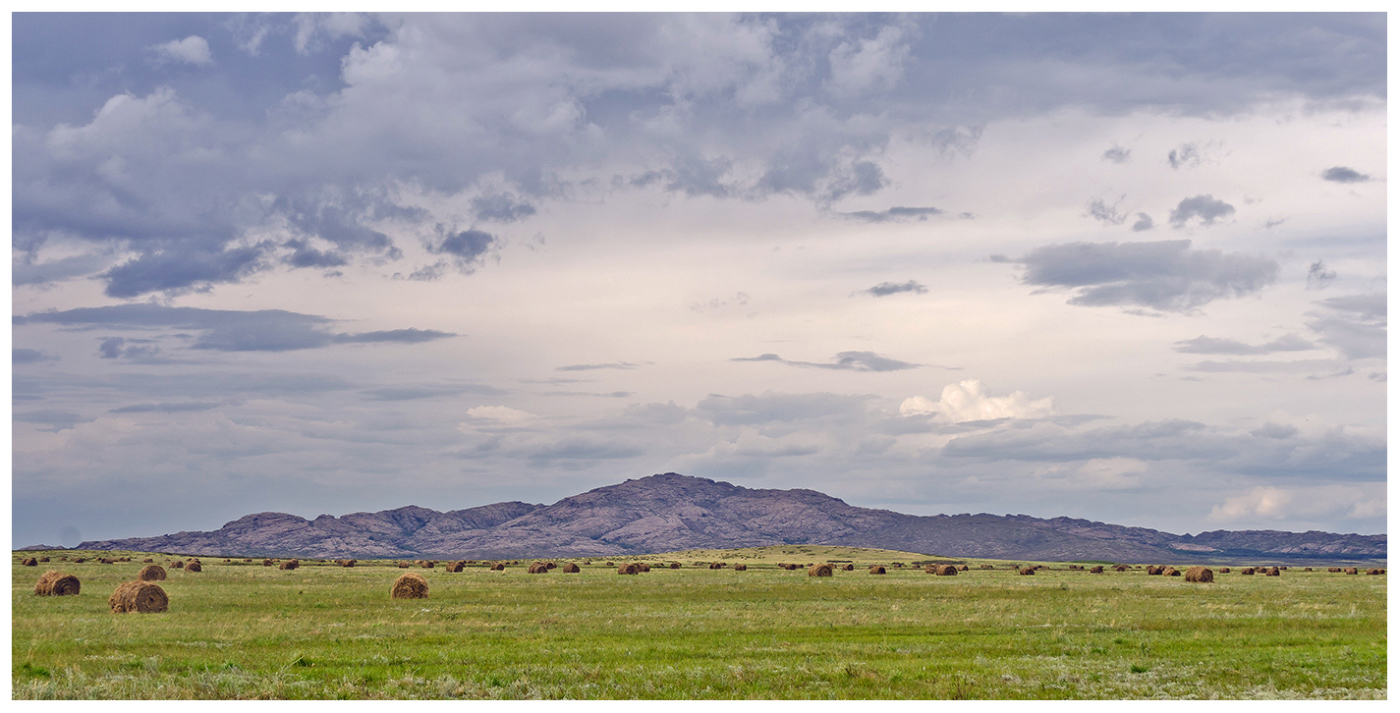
(1124, 268)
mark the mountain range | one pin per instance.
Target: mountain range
(672, 512)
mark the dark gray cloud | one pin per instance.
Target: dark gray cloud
(1319, 276)
(885, 289)
(1165, 275)
(56, 420)
(1342, 174)
(592, 367)
(1214, 345)
(304, 255)
(165, 408)
(501, 208)
(1144, 222)
(30, 356)
(175, 271)
(848, 361)
(31, 273)
(1206, 208)
(466, 246)
(1184, 155)
(221, 330)
(1117, 154)
(1356, 325)
(1107, 214)
(895, 214)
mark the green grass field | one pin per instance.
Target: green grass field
(244, 631)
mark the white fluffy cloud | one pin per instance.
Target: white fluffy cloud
(191, 50)
(1273, 503)
(969, 401)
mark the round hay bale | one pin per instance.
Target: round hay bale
(1224, 570)
(498, 567)
(877, 569)
(43, 559)
(148, 560)
(675, 565)
(741, 568)
(849, 568)
(455, 566)
(409, 585)
(1273, 572)
(106, 560)
(551, 565)
(289, 564)
(194, 567)
(986, 566)
(151, 573)
(1375, 571)
(57, 584)
(538, 568)
(609, 564)
(1335, 570)
(1200, 575)
(1350, 570)
(571, 568)
(1171, 572)
(1121, 568)
(429, 564)
(945, 570)
(1155, 569)
(177, 564)
(1307, 569)
(1026, 570)
(643, 567)
(628, 569)
(1247, 571)
(1096, 569)
(819, 570)
(29, 562)
(962, 568)
(403, 564)
(267, 563)
(716, 565)
(139, 597)
(79, 560)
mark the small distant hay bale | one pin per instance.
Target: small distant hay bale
(1096, 569)
(1224, 570)
(249, 559)
(194, 567)
(29, 562)
(349, 563)
(177, 564)
(57, 584)
(1171, 572)
(986, 566)
(643, 567)
(148, 560)
(268, 563)
(1200, 575)
(571, 568)
(1307, 569)
(794, 567)
(79, 560)
(1375, 571)
(628, 569)
(409, 585)
(849, 567)
(455, 566)
(551, 565)
(1247, 570)
(151, 573)
(962, 568)
(741, 568)
(289, 564)
(1121, 568)
(877, 569)
(1335, 570)
(1349, 570)
(609, 564)
(1273, 572)
(139, 597)
(945, 570)
(403, 564)
(716, 565)
(498, 567)
(428, 564)
(819, 570)
(43, 559)
(1156, 569)
(675, 565)
(1026, 570)
(538, 568)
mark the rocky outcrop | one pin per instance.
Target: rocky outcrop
(669, 512)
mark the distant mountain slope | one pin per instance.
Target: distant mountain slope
(670, 512)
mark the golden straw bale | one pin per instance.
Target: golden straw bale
(877, 569)
(819, 570)
(409, 585)
(498, 567)
(1350, 570)
(194, 567)
(1375, 571)
(289, 564)
(57, 584)
(1096, 569)
(741, 568)
(628, 569)
(151, 573)
(1026, 570)
(1273, 572)
(538, 568)
(1200, 575)
(571, 568)
(29, 562)
(1224, 570)
(455, 566)
(140, 597)
(1171, 572)
(1247, 570)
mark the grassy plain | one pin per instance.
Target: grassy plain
(243, 631)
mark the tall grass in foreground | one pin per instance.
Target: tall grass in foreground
(250, 632)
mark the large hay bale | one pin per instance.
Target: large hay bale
(819, 570)
(409, 585)
(151, 573)
(1247, 570)
(1171, 572)
(1096, 569)
(289, 564)
(1350, 570)
(877, 569)
(741, 568)
(455, 566)
(140, 597)
(1307, 569)
(1026, 570)
(962, 568)
(1273, 572)
(57, 584)
(1375, 571)
(194, 567)
(944, 570)
(571, 568)
(1200, 575)
(538, 568)
(628, 569)
(29, 562)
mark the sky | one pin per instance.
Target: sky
(1128, 268)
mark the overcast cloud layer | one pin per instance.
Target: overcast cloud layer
(1124, 267)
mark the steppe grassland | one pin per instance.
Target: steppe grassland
(240, 630)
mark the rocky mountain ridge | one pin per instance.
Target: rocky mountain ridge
(670, 512)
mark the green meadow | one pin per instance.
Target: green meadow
(240, 630)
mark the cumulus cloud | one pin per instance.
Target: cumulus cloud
(1215, 345)
(895, 214)
(191, 50)
(1342, 174)
(845, 361)
(223, 330)
(884, 289)
(1144, 222)
(1268, 502)
(465, 246)
(1166, 275)
(1205, 208)
(969, 401)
